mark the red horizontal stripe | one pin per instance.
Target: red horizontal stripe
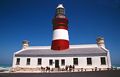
(60, 44)
(60, 24)
(60, 27)
(60, 20)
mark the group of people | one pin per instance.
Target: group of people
(67, 68)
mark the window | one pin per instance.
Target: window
(75, 61)
(50, 62)
(89, 61)
(18, 61)
(28, 61)
(103, 61)
(60, 11)
(63, 62)
(39, 61)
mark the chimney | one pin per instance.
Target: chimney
(100, 42)
(25, 44)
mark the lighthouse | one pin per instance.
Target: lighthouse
(60, 39)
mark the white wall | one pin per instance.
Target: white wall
(82, 62)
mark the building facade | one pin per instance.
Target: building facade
(60, 54)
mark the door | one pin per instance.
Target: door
(56, 63)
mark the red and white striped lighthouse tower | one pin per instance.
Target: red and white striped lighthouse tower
(60, 30)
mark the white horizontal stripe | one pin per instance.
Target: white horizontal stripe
(60, 34)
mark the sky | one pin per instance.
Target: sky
(32, 20)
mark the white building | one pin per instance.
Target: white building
(87, 57)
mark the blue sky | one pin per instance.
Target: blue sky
(32, 20)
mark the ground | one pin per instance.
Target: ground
(112, 73)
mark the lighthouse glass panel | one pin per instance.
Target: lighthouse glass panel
(60, 11)
(103, 61)
(75, 61)
(18, 61)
